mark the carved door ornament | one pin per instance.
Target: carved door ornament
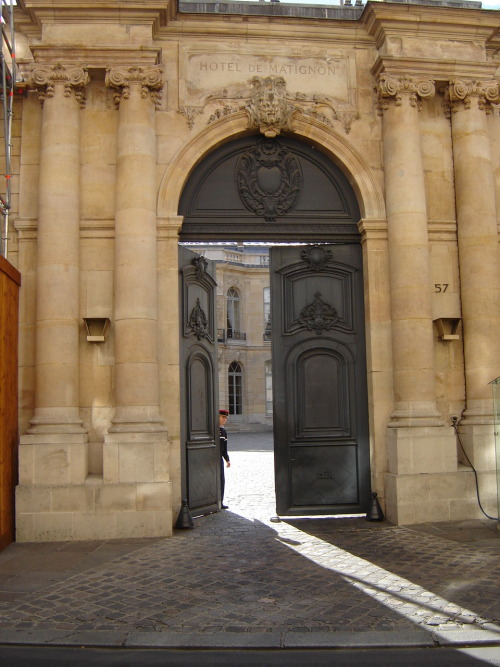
(316, 257)
(200, 266)
(318, 316)
(198, 321)
(269, 179)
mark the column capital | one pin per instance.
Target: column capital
(462, 93)
(397, 88)
(149, 80)
(47, 78)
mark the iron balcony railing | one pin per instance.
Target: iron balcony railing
(224, 335)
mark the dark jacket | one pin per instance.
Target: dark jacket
(223, 443)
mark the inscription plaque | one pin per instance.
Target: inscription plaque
(209, 72)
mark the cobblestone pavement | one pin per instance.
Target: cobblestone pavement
(239, 574)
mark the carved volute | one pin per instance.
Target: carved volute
(149, 80)
(73, 79)
(395, 89)
(461, 94)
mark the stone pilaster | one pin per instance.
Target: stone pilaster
(417, 441)
(470, 102)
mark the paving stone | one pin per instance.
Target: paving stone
(238, 575)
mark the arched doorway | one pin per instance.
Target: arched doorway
(288, 193)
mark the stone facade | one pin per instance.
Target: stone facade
(121, 100)
(247, 273)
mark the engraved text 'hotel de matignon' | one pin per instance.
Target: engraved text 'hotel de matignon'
(267, 68)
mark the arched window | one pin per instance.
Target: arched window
(235, 389)
(233, 325)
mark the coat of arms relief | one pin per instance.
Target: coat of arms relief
(270, 107)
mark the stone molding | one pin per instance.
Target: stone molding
(150, 79)
(396, 88)
(94, 57)
(461, 93)
(45, 78)
(373, 229)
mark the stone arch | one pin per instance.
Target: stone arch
(336, 147)
(363, 180)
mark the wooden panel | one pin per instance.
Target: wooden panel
(324, 475)
(10, 280)
(322, 394)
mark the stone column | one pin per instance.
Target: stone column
(410, 276)
(136, 445)
(136, 292)
(57, 282)
(478, 259)
(53, 451)
(420, 449)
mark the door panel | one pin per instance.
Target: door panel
(199, 426)
(319, 380)
(320, 411)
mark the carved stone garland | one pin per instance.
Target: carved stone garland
(269, 179)
(270, 108)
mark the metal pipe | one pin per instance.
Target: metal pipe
(8, 83)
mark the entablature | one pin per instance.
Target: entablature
(397, 20)
(437, 70)
(124, 11)
(97, 56)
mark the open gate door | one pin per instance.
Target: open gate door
(319, 380)
(199, 424)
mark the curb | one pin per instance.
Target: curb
(417, 638)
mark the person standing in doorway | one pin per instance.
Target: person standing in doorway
(224, 456)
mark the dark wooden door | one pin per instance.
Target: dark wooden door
(319, 380)
(199, 421)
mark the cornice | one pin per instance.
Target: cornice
(438, 70)
(123, 10)
(214, 26)
(383, 19)
(33, 15)
(97, 56)
(166, 21)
